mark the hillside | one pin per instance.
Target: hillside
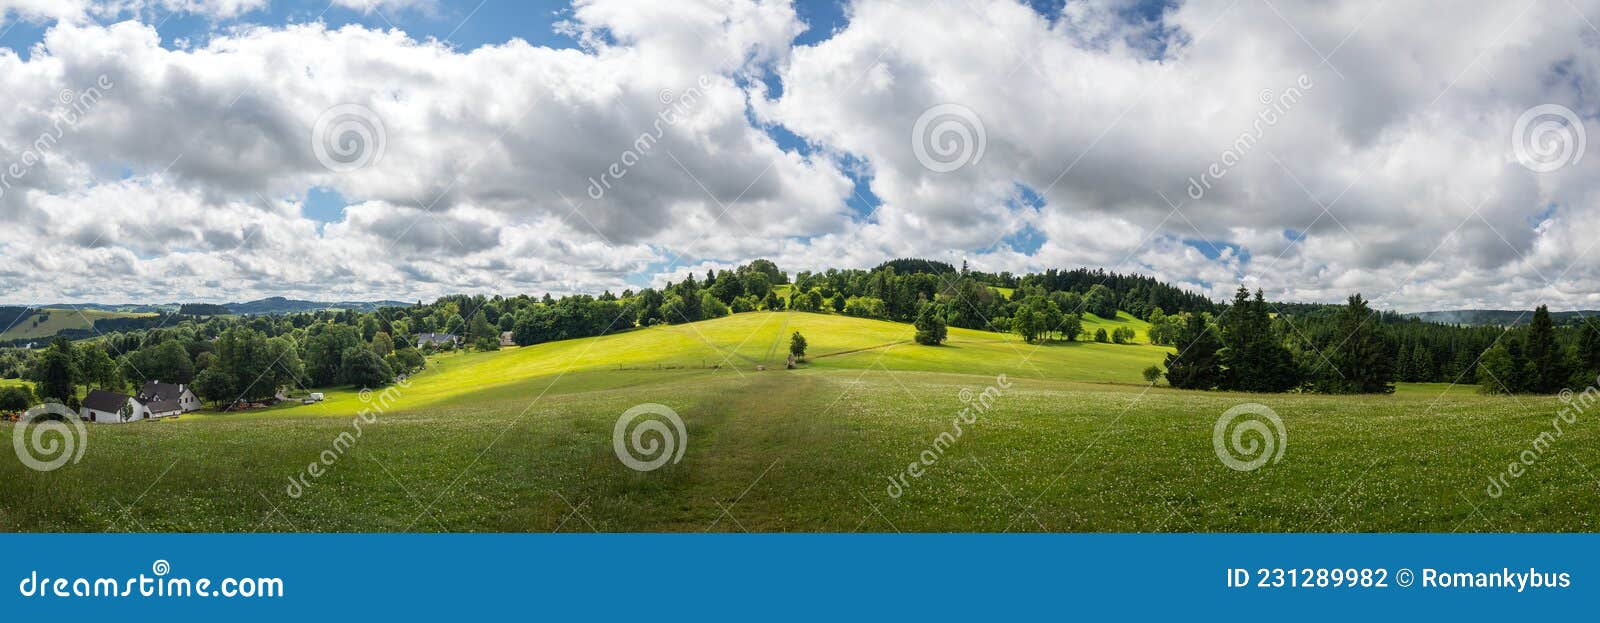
(43, 323)
(1498, 317)
(744, 341)
(812, 449)
(281, 305)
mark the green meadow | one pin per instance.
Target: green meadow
(1073, 440)
(57, 320)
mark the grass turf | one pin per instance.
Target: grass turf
(521, 440)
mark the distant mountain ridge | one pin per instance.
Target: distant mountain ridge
(1498, 317)
(281, 305)
(266, 306)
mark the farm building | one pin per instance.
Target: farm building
(110, 407)
(439, 340)
(157, 392)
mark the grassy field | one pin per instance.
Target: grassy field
(521, 440)
(58, 320)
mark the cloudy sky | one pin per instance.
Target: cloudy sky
(1428, 156)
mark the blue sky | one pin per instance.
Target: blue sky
(1088, 118)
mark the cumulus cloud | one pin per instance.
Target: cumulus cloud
(1406, 139)
(1305, 148)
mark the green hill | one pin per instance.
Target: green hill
(44, 323)
(761, 339)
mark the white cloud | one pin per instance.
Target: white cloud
(190, 172)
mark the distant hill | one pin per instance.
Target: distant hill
(22, 324)
(1499, 317)
(281, 305)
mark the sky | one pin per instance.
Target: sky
(1427, 155)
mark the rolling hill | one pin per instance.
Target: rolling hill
(44, 323)
(745, 341)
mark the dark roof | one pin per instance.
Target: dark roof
(157, 389)
(102, 400)
(163, 406)
(436, 337)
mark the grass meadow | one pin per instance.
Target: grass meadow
(61, 320)
(521, 440)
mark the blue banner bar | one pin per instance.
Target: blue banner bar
(744, 577)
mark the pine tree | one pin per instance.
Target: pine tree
(1359, 358)
(1254, 359)
(1586, 359)
(1421, 364)
(1546, 372)
(1195, 365)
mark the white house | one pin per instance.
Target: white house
(158, 393)
(110, 407)
(438, 339)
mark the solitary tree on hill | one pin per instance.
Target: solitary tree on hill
(930, 326)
